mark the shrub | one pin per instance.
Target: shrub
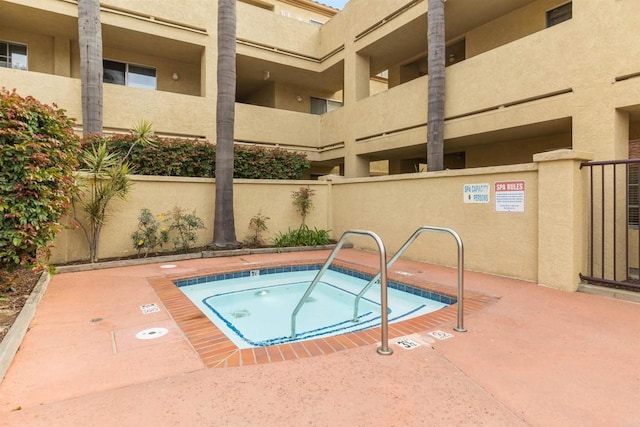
(263, 163)
(105, 178)
(184, 226)
(196, 158)
(302, 201)
(150, 233)
(303, 236)
(257, 226)
(166, 157)
(38, 152)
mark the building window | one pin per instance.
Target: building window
(559, 14)
(13, 55)
(455, 52)
(121, 73)
(321, 105)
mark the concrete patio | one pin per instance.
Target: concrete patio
(532, 356)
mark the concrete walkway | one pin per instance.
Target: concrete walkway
(534, 356)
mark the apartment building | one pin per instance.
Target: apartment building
(349, 87)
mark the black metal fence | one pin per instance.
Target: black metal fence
(614, 243)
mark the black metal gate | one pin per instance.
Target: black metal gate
(614, 243)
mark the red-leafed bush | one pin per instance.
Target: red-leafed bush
(196, 158)
(38, 155)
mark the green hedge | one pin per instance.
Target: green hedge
(195, 158)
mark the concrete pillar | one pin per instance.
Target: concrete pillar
(599, 128)
(208, 69)
(394, 76)
(62, 57)
(363, 77)
(356, 87)
(355, 166)
(562, 218)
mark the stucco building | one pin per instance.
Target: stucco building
(349, 87)
(525, 78)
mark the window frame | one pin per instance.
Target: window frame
(327, 102)
(127, 72)
(7, 55)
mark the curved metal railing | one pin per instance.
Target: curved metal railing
(384, 317)
(460, 323)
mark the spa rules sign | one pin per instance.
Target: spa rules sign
(509, 196)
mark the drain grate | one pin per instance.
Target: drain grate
(151, 333)
(240, 314)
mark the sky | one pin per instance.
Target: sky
(338, 4)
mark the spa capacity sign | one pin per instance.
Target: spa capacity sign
(475, 193)
(509, 196)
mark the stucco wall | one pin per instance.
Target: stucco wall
(513, 151)
(515, 25)
(200, 16)
(393, 207)
(161, 194)
(40, 48)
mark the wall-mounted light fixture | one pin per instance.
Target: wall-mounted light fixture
(175, 76)
(299, 98)
(266, 74)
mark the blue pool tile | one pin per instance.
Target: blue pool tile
(316, 267)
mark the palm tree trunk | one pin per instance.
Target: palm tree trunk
(436, 95)
(224, 232)
(90, 41)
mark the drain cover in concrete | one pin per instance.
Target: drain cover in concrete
(440, 335)
(168, 266)
(151, 333)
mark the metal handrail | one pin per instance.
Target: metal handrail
(384, 317)
(460, 326)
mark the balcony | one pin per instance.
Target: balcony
(519, 73)
(271, 127)
(170, 113)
